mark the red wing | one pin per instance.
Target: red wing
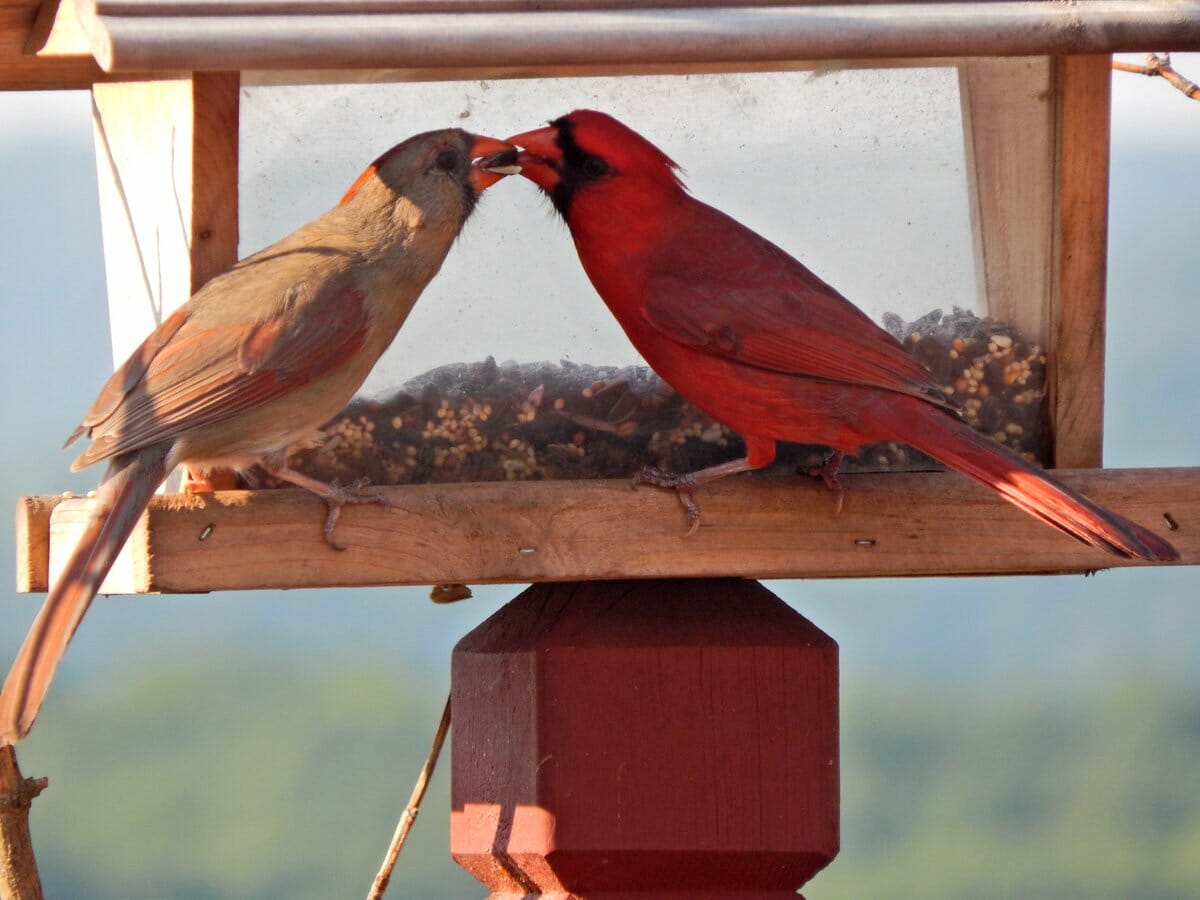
(204, 375)
(727, 291)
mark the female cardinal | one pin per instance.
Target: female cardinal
(257, 360)
(756, 340)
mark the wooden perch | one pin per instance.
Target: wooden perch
(932, 523)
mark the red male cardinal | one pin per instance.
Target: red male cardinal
(756, 340)
(257, 360)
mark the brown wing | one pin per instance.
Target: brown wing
(723, 289)
(206, 373)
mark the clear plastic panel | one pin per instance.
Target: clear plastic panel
(511, 367)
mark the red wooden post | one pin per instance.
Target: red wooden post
(645, 738)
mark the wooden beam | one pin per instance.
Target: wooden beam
(57, 33)
(934, 523)
(167, 155)
(25, 27)
(33, 541)
(1008, 133)
(1075, 371)
(20, 70)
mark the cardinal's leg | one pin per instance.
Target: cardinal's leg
(759, 452)
(828, 472)
(334, 495)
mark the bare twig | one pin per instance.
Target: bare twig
(19, 878)
(1159, 64)
(409, 815)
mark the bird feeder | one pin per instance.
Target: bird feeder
(502, 467)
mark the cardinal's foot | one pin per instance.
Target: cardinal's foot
(334, 495)
(828, 472)
(683, 486)
(337, 496)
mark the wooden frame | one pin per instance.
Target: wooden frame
(930, 523)
(756, 527)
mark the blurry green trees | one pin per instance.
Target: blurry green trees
(253, 780)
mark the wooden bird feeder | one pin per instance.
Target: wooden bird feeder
(562, 788)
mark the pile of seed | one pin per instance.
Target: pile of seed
(489, 421)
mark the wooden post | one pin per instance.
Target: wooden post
(1075, 377)
(166, 156)
(167, 166)
(650, 738)
(1008, 132)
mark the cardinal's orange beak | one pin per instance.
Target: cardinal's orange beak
(484, 170)
(540, 155)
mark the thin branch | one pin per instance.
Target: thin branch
(410, 811)
(19, 879)
(1159, 64)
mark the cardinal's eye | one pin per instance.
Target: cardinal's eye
(594, 167)
(447, 161)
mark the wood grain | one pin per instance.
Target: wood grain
(167, 158)
(214, 190)
(24, 28)
(651, 739)
(1075, 370)
(1009, 137)
(33, 542)
(167, 166)
(935, 523)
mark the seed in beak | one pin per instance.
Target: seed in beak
(502, 163)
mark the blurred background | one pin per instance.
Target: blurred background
(1015, 737)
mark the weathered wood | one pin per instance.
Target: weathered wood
(645, 739)
(1075, 370)
(33, 542)
(56, 32)
(1008, 132)
(167, 164)
(758, 526)
(25, 27)
(167, 157)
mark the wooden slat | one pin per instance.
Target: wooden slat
(760, 526)
(33, 542)
(167, 154)
(1008, 132)
(22, 70)
(214, 226)
(1075, 372)
(167, 157)
(57, 32)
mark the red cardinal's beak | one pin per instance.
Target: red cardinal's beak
(484, 169)
(540, 155)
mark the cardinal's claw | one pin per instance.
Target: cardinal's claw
(827, 472)
(338, 497)
(682, 485)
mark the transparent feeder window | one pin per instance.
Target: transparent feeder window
(511, 367)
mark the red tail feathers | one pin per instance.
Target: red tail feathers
(1037, 492)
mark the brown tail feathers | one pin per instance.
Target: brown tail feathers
(122, 496)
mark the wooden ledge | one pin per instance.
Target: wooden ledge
(758, 526)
